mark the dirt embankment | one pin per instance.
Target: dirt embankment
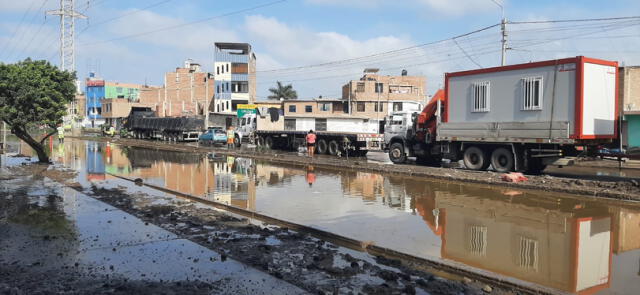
(621, 190)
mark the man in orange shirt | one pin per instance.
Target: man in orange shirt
(311, 143)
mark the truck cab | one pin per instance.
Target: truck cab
(246, 128)
(396, 126)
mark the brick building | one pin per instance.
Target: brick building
(373, 86)
(186, 92)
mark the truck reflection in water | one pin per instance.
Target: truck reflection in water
(557, 241)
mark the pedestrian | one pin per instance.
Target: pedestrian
(60, 130)
(230, 137)
(311, 143)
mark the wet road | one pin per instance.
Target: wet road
(556, 241)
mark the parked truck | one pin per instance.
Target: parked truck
(514, 118)
(335, 136)
(144, 124)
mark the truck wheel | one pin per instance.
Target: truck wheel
(396, 153)
(321, 146)
(333, 148)
(259, 141)
(268, 142)
(475, 158)
(502, 160)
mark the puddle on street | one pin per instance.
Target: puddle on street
(575, 246)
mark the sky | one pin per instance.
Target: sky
(318, 45)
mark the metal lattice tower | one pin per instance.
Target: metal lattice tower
(67, 15)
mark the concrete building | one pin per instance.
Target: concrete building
(235, 76)
(396, 93)
(629, 91)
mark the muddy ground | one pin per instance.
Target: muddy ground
(313, 265)
(622, 190)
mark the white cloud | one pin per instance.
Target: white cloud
(461, 7)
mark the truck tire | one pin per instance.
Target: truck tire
(475, 158)
(259, 141)
(502, 160)
(334, 148)
(396, 153)
(321, 146)
(268, 142)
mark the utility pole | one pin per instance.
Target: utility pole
(67, 15)
(503, 29)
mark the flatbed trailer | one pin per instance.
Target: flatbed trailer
(327, 142)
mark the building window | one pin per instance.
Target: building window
(218, 89)
(321, 124)
(360, 87)
(292, 109)
(289, 124)
(119, 89)
(360, 107)
(345, 107)
(227, 107)
(378, 106)
(325, 106)
(397, 107)
(227, 66)
(217, 70)
(532, 94)
(379, 87)
(240, 87)
(480, 97)
(308, 109)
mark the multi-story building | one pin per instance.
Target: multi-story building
(98, 90)
(629, 92)
(391, 93)
(235, 76)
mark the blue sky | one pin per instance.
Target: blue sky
(306, 32)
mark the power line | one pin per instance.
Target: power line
(24, 49)
(185, 24)
(17, 29)
(380, 53)
(466, 54)
(574, 20)
(124, 14)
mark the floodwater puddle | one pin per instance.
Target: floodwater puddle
(561, 242)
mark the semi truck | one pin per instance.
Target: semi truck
(513, 118)
(143, 123)
(270, 128)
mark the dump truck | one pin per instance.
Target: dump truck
(143, 123)
(514, 118)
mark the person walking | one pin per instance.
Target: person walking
(60, 130)
(311, 143)
(230, 137)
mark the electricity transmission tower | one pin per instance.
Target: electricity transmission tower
(67, 15)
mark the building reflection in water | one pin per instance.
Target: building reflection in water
(555, 241)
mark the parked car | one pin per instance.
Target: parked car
(215, 135)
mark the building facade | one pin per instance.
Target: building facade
(235, 77)
(375, 87)
(98, 90)
(629, 92)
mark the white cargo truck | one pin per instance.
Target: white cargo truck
(336, 135)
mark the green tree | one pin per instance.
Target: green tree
(33, 95)
(283, 91)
